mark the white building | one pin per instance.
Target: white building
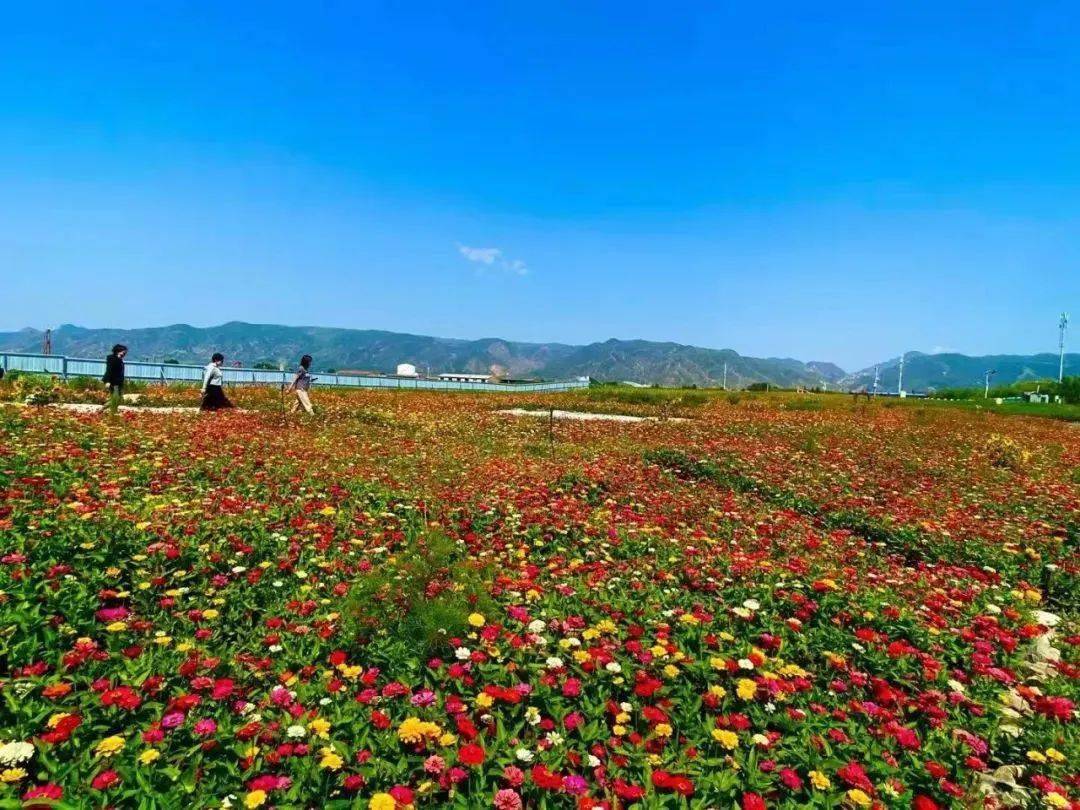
(461, 376)
(406, 370)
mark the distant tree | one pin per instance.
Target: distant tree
(262, 365)
(169, 361)
(331, 371)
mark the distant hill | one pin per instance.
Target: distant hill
(641, 361)
(372, 350)
(924, 372)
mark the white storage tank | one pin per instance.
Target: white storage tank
(406, 370)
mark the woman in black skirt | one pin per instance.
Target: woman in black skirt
(213, 396)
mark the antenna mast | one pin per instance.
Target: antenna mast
(46, 342)
(1062, 327)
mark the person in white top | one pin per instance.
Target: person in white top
(213, 395)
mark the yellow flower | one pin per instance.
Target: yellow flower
(210, 613)
(1054, 755)
(857, 797)
(255, 798)
(414, 730)
(476, 619)
(110, 745)
(728, 739)
(328, 510)
(447, 739)
(1055, 799)
(330, 760)
(662, 730)
(116, 627)
(716, 662)
(149, 755)
(382, 801)
(717, 691)
(484, 700)
(671, 670)
(618, 730)
(12, 774)
(820, 780)
(319, 727)
(350, 672)
(1036, 756)
(746, 689)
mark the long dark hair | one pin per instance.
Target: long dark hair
(119, 347)
(305, 361)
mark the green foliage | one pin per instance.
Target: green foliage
(420, 597)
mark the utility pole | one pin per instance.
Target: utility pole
(46, 343)
(725, 375)
(986, 390)
(900, 383)
(1062, 326)
(875, 380)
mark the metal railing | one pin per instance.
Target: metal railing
(65, 367)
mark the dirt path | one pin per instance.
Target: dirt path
(583, 416)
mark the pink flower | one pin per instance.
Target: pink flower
(575, 784)
(425, 697)
(205, 726)
(514, 776)
(172, 720)
(507, 799)
(434, 764)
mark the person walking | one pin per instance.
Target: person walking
(213, 396)
(114, 373)
(301, 384)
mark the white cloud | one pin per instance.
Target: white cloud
(492, 257)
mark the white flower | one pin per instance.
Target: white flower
(462, 653)
(13, 753)
(626, 707)
(554, 662)
(537, 626)
(741, 612)
(746, 663)
(524, 755)
(751, 604)
(555, 738)
(613, 666)
(275, 648)
(295, 731)
(594, 761)
(532, 715)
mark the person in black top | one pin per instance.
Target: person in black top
(114, 371)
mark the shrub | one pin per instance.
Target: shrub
(420, 597)
(1005, 453)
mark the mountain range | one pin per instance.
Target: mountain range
(640, 361)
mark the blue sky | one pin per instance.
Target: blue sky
(838, 181)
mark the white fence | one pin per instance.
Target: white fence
(65, 367)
